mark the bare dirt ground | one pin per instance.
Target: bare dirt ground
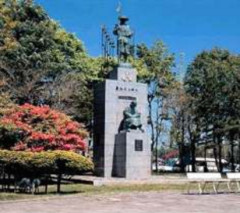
(147, 202)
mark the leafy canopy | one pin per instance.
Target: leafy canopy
(212, 82)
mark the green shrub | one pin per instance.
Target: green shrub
(23, 163)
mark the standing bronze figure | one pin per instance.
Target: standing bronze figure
(124, 35)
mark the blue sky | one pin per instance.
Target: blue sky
(188, 26)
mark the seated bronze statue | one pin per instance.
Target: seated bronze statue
(131, 118)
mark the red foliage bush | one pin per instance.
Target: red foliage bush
(38, 128)
(171, 154)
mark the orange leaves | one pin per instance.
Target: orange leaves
(39, 128)
(39, 136)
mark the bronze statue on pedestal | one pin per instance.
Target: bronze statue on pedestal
(131, 118)
(124, 35)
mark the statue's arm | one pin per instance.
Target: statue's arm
(130, 34)
(127, 114)
(137, 115)
(115, 30)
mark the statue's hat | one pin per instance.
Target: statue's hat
(124, 18)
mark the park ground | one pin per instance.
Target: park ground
(129, 202)
(161, 198)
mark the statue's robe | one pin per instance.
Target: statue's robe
(132, 119)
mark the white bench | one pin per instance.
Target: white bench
(202, 179)
(233, 178)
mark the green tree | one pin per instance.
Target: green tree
(41, 63)
(154, 66)
(212, 82)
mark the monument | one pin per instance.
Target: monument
(124, 34)
(121, 146)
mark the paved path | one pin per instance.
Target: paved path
(146, 202)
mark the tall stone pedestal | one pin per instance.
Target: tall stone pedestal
(111, 98)
(131, 155)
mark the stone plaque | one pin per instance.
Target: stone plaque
(138, 145)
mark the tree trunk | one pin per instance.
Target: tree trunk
(220, 153)
(150, 122)
(181, 153)
(232, 153)
(46, 184)
(4, 180)
(205, 153)
(193, 140)
(193, 149)
(59, 182)
(9, 181)
(156, 157)
(239, 149)
(215, 156)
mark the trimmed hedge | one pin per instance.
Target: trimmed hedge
(23, 163)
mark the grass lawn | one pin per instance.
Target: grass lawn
(70, 189)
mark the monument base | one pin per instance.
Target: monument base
(132, 155)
